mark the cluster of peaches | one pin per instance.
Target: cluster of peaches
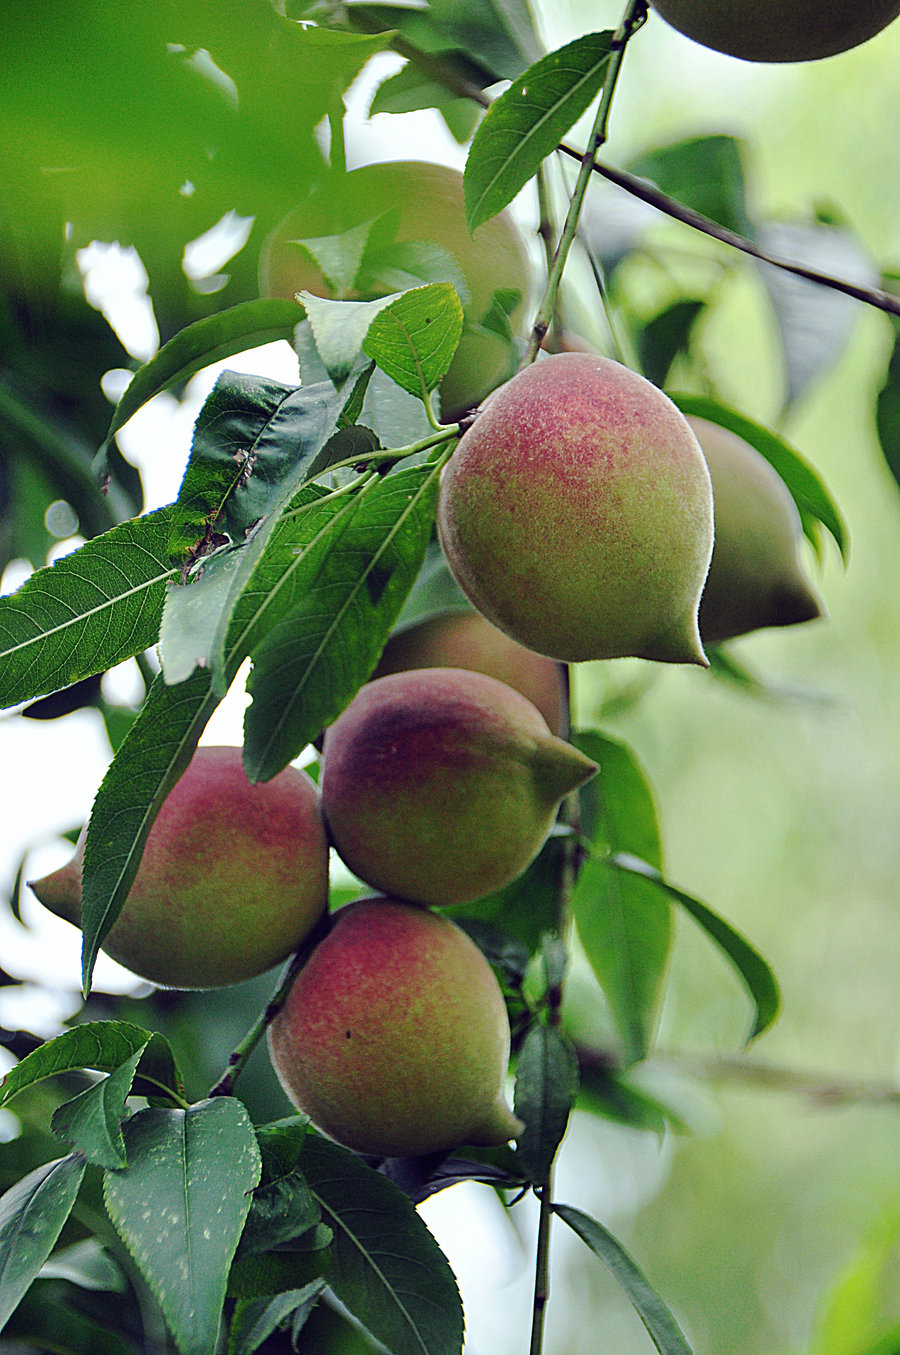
(577, 515)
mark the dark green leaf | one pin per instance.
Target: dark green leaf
(661, 1325)
(271, 1272)
(386, 1268)
(180, 1205)
(103, 1046)
(664, 337)
(87, 1264)
(311, 664)
(607, 1092)
(813, 500)
(623, 923)
(91, 1121)
(32, 1215)
(256, 1319)
(887, 411)
(87, 612)
(153, 755)
(283, 1206)
(254, 443)
(524, 125)
(528, 906)
(414, 338)
(42, 1325)
(546, 1087)
(755, 973)
(705, 173)
(210, 340)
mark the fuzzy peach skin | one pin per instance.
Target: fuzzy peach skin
(779, 30)
(394, 1037)
(441, 785)
(756, 577)
(233, 877)
(576, 513)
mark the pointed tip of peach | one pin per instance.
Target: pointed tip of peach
(60, 892)
(498, 1126)
(561, 767)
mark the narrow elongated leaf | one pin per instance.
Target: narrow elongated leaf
(812, 498)
(87, 612)
(179, 1207)
(256, 1319)
(87, 1264)
(414, 338)
(91, 1121)
(386, 1267)
(624, 923)
(546, 1087)
(753, 970)
(887, 411)
(207, 341)
(311, 664)
(102, 1046)
(664, 1331)
(525, 124)
(153, 755)
(32, 1215)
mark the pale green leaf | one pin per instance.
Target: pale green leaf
(32, 1215)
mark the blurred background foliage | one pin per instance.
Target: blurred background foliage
(772, 1226)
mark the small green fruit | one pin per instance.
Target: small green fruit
(756, 577)
(576, 514)
(233, 877)
(441, 785)
(779, 30)
(394, 1037)
(426, 204)
(468, 640)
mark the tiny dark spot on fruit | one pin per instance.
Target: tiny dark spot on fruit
(347, 1035)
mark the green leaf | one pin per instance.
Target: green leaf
(813, 500)
(199, 345)
(41, 1324)
(180, 1205)
(153, 755)
(256, 1319)
(254, 443)
(524, 125)
(283, 1206)
(386, 1267)
(705, 173)
(311, 664)
(526, 907)
(414, 338)
(87, 1264)
(339, 328)
(271, 1272)
(87, 612)
(887, 411)
(103, 1046)
(665, 336)
(623, 922)
(664, 1331)
(546, 1087)
(91, 1121)
(32, 1215)
(753, 970)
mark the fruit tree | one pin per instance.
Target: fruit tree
(514, 461)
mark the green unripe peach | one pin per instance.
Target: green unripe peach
(426, 204)
(233, 877)
(756, 577)
(468, 640)
(441, 785)
(779, 30)
(394, 1037)
(576, 514)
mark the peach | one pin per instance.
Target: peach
(779, 30)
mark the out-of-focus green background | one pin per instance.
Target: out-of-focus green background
(776, 1225)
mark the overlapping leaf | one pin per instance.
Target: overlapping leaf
(91, 1121)
(310, 665)
(624, 923)
(86, 612)
(414, 338)
(546, 1086)
(179, 1206)
(32, 1215)
(386, 1267)
(103, 1046)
